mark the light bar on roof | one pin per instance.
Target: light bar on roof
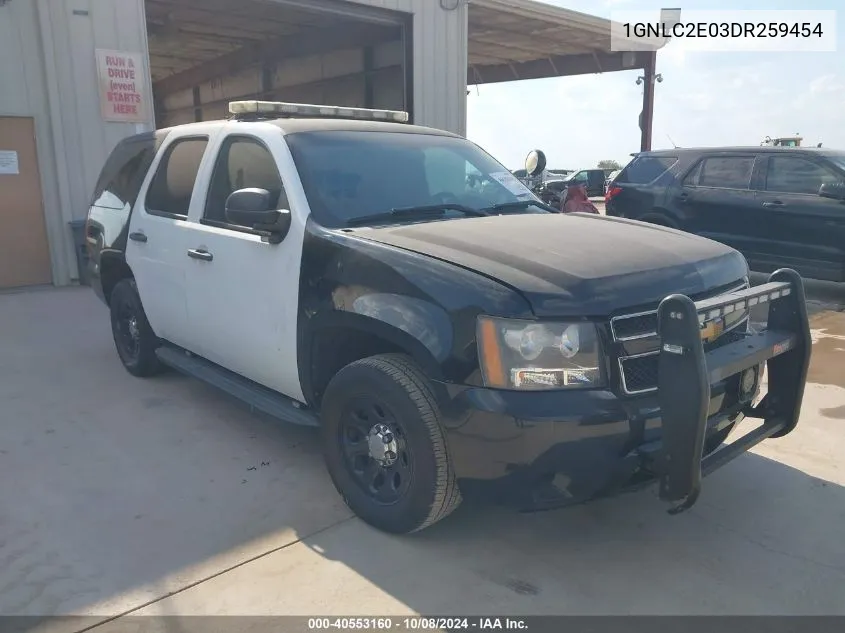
(307, 109)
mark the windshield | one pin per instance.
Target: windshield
(350, 175)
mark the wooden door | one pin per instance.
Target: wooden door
(24, 252)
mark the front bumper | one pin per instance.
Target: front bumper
(539, 450)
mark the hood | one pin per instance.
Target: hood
(574, 265)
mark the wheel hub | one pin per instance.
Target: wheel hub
(382, 445)
(133, 328)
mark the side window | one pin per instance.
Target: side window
(173, 184)
(691, 179)
(726, 172)
(122, 175)
(644, 170)
(243, 162)
(791, 174)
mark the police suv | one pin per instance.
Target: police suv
(449, 334)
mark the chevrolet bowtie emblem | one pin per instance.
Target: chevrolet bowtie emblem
(712, 330)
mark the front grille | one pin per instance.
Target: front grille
(637, 325)
(638, 373)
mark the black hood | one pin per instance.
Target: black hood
(574, 265)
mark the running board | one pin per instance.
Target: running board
(255, 395)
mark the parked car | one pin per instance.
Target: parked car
(779, 206)
(551, 192)
(333, 267)
(593, 179)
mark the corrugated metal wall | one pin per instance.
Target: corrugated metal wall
(48, 71)
(440, 61)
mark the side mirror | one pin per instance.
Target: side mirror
(535, 163)
(833, 190)
(253, 207)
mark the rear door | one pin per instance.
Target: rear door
(640, 187)
(159, 235)
(717, 198)
(804, 231)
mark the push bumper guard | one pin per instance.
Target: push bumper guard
(686, 371)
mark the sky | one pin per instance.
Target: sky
(706, 98)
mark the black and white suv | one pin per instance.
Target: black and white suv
(400, 289)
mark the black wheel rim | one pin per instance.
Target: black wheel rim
(127, 331)
(376, 450)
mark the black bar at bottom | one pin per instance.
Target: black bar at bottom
(733, 450)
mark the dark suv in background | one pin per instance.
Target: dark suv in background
(778, 206)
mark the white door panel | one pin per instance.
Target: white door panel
(159, 268)
(242, 306)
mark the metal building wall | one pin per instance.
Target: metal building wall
(440, 61)
(48, 71)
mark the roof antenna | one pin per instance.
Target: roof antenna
(671, 141)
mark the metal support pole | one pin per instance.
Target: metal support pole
(647, 115)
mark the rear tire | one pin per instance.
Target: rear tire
(133, 337)
(384, 445)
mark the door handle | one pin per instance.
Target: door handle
(203, 255)
(137, 236)
(776, 203)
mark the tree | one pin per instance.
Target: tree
(609, 164)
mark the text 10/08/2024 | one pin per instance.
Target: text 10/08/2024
(417, 623)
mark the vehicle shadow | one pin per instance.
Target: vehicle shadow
(764, 538)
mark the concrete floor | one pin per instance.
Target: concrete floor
(162, 496)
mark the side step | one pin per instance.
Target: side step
(255, 395)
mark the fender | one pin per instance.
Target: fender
(359, 297)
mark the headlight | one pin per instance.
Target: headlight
(528, 355)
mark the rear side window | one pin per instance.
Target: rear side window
(173, 184)
(726, 172)
(120, 180)
(791, 174)
(646, 169)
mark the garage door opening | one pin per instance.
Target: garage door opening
(206, 53)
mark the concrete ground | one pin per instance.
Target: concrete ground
(162, 496)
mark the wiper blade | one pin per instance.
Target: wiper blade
(521, 204)
(410, 213)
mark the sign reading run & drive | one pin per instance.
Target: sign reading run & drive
(123, 86)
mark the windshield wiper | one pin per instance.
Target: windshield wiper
(413, 213)
(519, 205)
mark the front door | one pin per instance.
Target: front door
(806, 231)
(159, 237)
(243, 292)
(24, 252)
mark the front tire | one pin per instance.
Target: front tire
(133, 337)
(384, 445)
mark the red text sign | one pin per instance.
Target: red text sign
(123, 86)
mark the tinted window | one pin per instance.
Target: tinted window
(726, 172)
(646, 169)
(790, 174)
(171, 188)
(242, 163)
(123, 173)
(348, 175)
